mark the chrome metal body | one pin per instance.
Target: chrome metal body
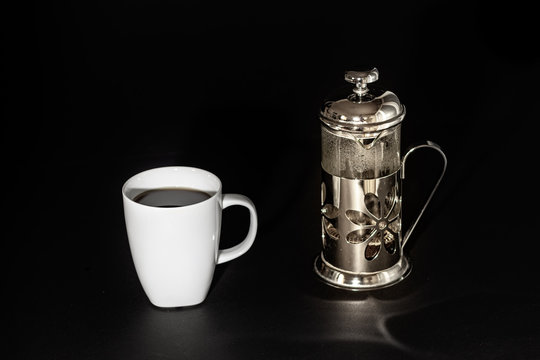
(361, 222)
(361, 228)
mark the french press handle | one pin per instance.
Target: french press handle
(430, 145)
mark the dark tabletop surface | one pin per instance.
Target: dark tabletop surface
(103, 90)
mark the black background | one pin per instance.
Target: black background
(98, 91)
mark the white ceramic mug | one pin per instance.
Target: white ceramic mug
(175, 249)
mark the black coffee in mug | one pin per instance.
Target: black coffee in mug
(171, 197)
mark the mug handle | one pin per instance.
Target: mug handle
(240, 249)
(431, 145)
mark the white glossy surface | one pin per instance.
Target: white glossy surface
(175, 250)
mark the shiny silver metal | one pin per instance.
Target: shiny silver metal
(365, 110)
(426, 145)
(361, 222)
(366, 281)
(361, 198)
(364, 77)
(361, 79)
(361, 228)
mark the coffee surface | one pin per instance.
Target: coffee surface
(171, 197)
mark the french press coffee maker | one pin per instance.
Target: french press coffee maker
(362, 172)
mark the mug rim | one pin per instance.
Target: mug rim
(162, 168)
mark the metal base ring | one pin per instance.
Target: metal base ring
(361, 281)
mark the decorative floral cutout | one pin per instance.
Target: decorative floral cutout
(379, 224)
(330, 211)
(330, 229)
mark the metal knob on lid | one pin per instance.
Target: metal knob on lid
(361, 79)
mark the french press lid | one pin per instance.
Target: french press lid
(365, 110)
